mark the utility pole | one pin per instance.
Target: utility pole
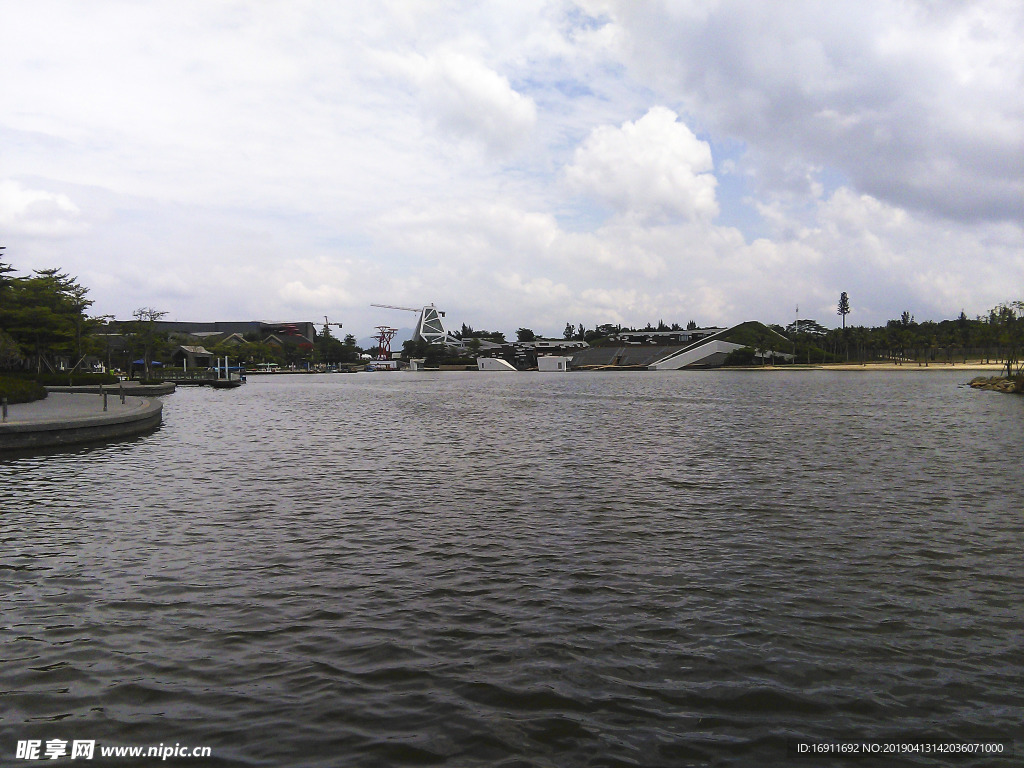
(796, 331)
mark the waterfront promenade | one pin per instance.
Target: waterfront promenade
(71, 418)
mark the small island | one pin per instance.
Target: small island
(1013, 385)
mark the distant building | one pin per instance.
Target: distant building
(293, 340)
(291, 346)
(682, 336)
(256, 328)
(214, 338)
(191, 357)
(699, 348)
(558, 363)
(523, 355)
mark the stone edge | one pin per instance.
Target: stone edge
(133, 390)
(85, 429)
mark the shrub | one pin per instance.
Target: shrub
(18, 390)
(742, 356)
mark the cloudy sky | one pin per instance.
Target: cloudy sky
(527, 162)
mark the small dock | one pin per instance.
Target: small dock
(203, 379)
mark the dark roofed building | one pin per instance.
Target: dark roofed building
(242, 328)
(191, 357)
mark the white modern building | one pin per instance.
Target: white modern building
(494, 364)
(556, 363)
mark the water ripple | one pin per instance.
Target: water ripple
(473, 570)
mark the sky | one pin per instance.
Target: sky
(529, 163)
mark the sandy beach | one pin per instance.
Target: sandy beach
(995, 368)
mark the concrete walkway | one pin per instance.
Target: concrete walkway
(64, 407)
(64, 419)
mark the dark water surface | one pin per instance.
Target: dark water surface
(525, 570)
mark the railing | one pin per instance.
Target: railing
(178, 376)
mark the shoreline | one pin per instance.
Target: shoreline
(862, 367)
(130, 388)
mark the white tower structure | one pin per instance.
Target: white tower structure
(429, 327)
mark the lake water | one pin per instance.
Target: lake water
(607, 569)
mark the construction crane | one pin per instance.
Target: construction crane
(430, 328)
(327, 326)
(392, 306)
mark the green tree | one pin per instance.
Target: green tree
(332, 351)
(10, 353)
(525, 334)
(860, 338)
(1007, 321)
(249, 354)
(844, 307)
(811, 328)
(45, 314)
(5, 281)
(415, 348)
(145, 338)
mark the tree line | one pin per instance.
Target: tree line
(43, 315)
(45, 329)
(44, 318)
(997, 336)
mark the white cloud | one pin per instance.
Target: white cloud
(319, 285)
(319, 297)
(467, 99)
(885, 258)
(37, 212)
(917, 103)
(511, 162)
(653, 169)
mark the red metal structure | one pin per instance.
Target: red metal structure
(384, 337)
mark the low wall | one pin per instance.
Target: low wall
(28, 435)
(131, 389)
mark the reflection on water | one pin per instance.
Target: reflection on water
(524, 569)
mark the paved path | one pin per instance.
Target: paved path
(59, 406)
